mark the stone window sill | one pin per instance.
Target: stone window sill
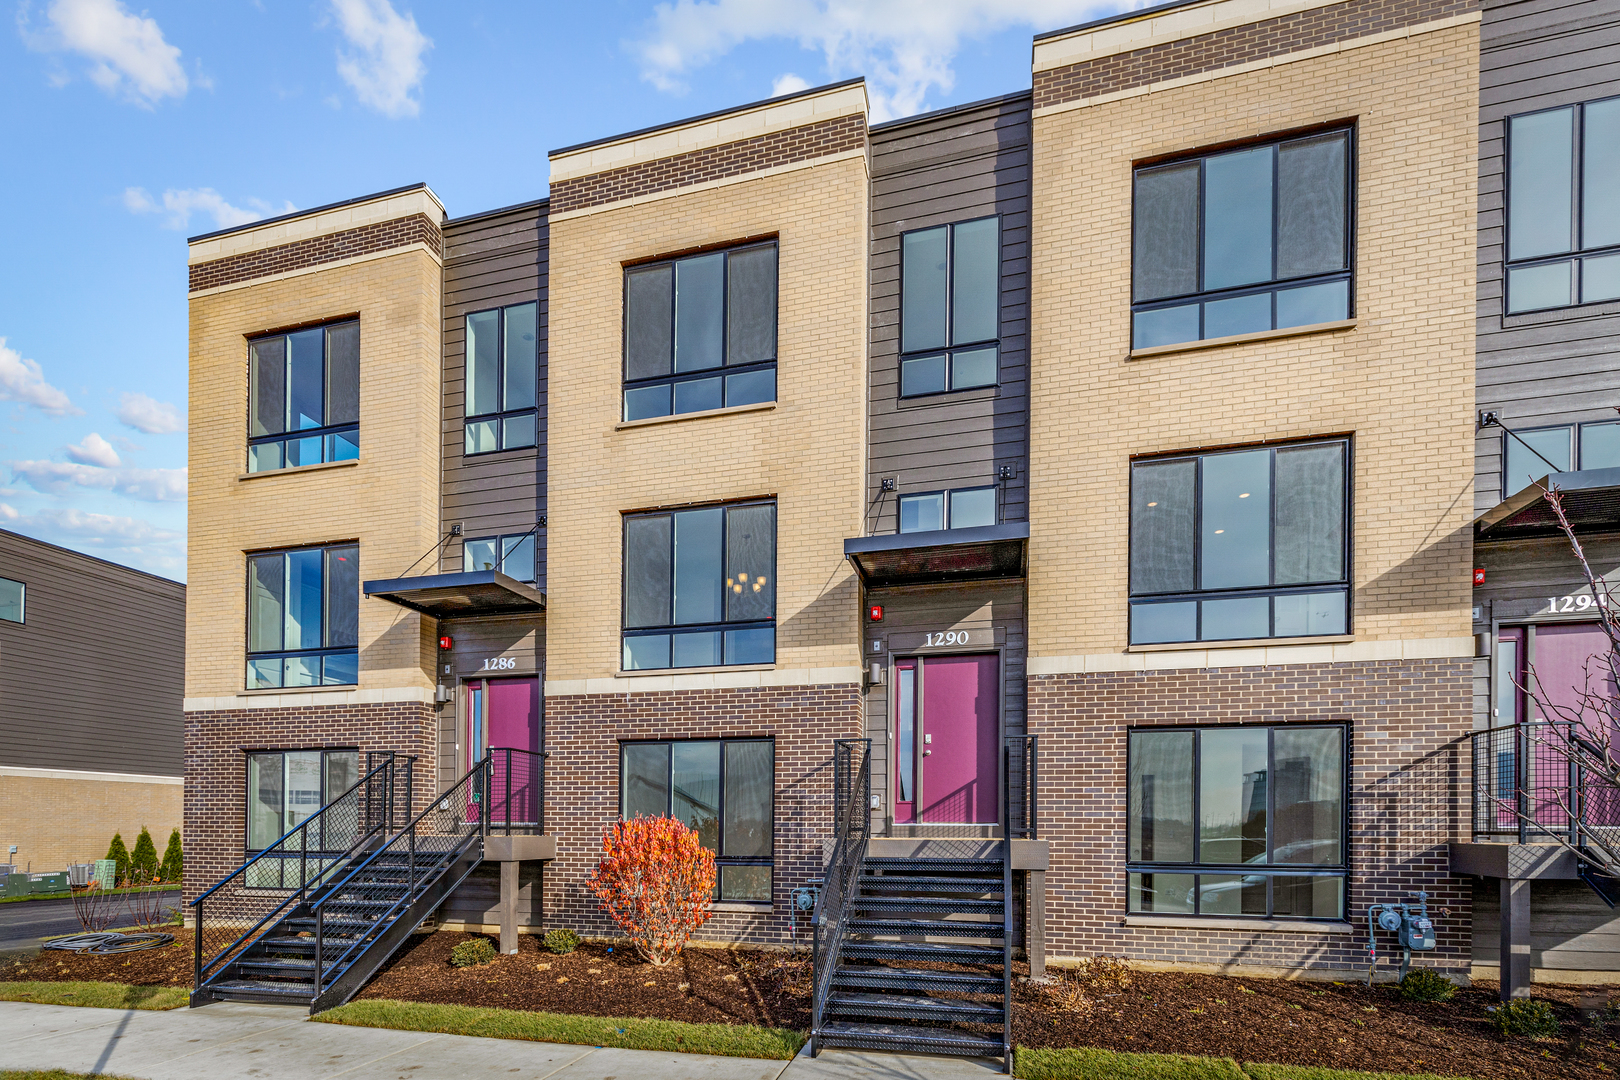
(752, 907)
(296, 469)
(1239, 339)
(335, 687)
(1243, 643)
(1201, 922)
(640, 673)
(653, 421)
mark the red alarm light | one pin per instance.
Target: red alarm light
(447, 642)
(877, 612)
(1479, 577)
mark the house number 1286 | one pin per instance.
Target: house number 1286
(499, 663)
(948, 637)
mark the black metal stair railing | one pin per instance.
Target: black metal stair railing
(852, 828)
(300, 865)
(517, 791)
(1018, 795)
(368, 902)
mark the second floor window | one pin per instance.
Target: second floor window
(950, 307)
(1242, 241)
(303, 617)
(700, 587)
(962, 508)
(700, 332)
(502, 372)
(511, 555)
(12, 594)
(1539, 451)
(1563, 212)
(304, 397)
(1241, 544)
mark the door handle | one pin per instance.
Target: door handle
(927, 752)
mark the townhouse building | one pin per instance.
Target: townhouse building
(1038, 525)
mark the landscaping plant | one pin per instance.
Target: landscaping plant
(656, 882)
(1425, 984)
(143, 861)
(480, 950)
(95, 908)
(173, 859)
(1527, 1017)
(561, 941)
(118, 853)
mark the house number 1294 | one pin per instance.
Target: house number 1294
(499, 663)
(948, 637)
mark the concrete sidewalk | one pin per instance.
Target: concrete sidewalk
(261, 1042)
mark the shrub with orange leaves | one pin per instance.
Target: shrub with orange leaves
(657, 882)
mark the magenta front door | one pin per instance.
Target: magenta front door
(947, 719)
(506, 713)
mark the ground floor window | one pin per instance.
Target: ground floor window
(724, 789)
(285, 787)
(1237, 820)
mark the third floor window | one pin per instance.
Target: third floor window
(700, 332)
(950, 307)
(304, 397)
(1531, 453)
(1563, 206)
(1242, 241)
(502, 370)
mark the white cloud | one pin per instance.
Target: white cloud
(385, 68)
(148, 415)
(903, 47)
(24, 381)
(788, 84)
(94, 450)
(181, 204)
(127, 53)
(121, 539)
(61, 477)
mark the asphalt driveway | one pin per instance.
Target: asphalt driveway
(26, 924)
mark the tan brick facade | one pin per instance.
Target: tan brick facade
(58, 819)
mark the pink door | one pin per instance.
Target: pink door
(506, 713)
(1572, 684)
(947, 719)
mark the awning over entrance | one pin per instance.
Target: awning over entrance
(1591, 502)
(476, 592)
(942, 556)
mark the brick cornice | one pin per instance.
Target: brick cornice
(316, 250)
(757, 154)
(1291, 33)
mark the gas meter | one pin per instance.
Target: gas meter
(1411, 925)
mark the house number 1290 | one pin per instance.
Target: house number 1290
(499, 663)
(948, 637)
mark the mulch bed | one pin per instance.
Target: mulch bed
(170, 965)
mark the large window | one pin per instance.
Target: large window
(1242, 241)
(1245, 821)
(700, 332)
(1530, 454)
(511, 555)
(962, 508)
(700, 587)
(284, 787)
(722, 788)
(303, 617)
(502, 370)
(304, 397)
(950, 307)
(1241, 544)
(12, 596)
(1563, 212)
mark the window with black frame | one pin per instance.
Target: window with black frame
(502, 374)
(723, 788)
(1241, 544)
(13, 596)
(304, 397)
(1563, 206)
(950, 307)
(303, 615)
(1242, 241)
(700, 587)
(700, 332)
(959, 508)
(511, 555)
(1239, 821)
(286, 787)
(1531, 453)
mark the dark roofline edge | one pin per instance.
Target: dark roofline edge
(935, 114)
(261, 223)
(94, 558)
(514, 208)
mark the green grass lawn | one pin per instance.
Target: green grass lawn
(68, 895)
(725, 1040)
(96, 995)
(1087, 1064)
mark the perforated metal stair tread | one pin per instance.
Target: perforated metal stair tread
(953, 904)
(923, 950)
(903, 1037)
(896, 883)
(875, 977)
(914, 1007)
(938, 928)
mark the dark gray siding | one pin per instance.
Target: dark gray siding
(953, 166)
(518, 638)
(492, 260)
(1556, 367)
(93, 678)
(1570, 928)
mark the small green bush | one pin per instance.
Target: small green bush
(1527, 1017)
(173, 860)
(1425, 984)
(479, 950)
(143, 861)
(561, 941)
(118, 853)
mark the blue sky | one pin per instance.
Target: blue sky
(129, 127)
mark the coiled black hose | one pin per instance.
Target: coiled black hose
(105, 944)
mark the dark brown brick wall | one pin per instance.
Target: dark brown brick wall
(1409, 721)
(216, 766)
(714, 163)
(1238, 45)
(582, 786)
(348, 244)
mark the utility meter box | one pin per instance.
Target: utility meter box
(1417, 933)
(106, 873)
